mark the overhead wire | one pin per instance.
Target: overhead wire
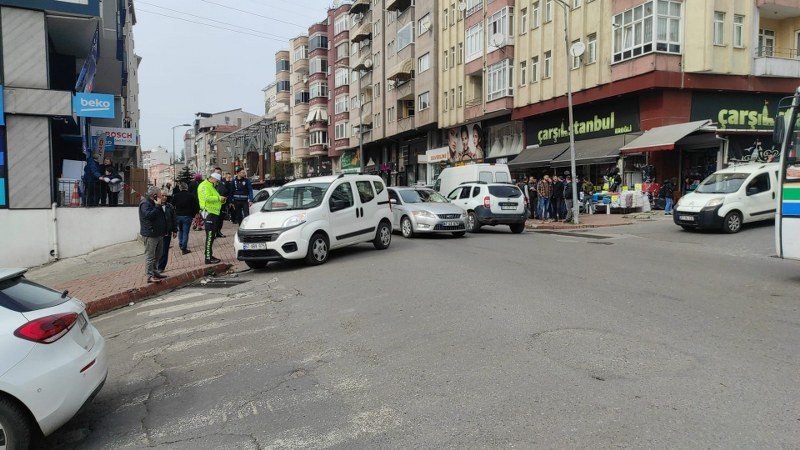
(211, 20)
(211, 25)
(254, 14)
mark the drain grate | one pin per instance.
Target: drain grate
(217, 283)
(575, 234)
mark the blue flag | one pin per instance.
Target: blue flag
(85, 83)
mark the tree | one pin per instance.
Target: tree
(185, 175)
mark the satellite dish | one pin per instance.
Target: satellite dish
(368, 63)
(498, 40)
(305, 79)
(462, 6)
(577, 49)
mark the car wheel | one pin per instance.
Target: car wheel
(15, 429)
(256, 264)
(517, 228)
(472, 222)
(383, 237)
(406, 227)
(732, 222)
(318, 250)
(459, 233)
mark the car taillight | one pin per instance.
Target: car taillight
(487, 202)
(47, 329)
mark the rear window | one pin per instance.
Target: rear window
(505, 191)
(485, 177)
(21, 295)
(501, 177)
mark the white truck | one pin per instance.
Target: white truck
(452, 177)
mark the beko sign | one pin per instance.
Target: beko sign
(93, 105)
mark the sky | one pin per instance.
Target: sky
(190, 67)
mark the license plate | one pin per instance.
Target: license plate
(508, 207)
(451, 224)
(686, 218)
(82, 322)
(255, 246)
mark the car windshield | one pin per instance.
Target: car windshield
(722, 183)
(22, 295)
(422, 196)
(291, 198)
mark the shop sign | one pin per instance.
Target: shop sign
(437, 155)
(736, 112)
(593, 121)
(505, 140)
(93, 105)
(121, 136)
(465, 143)
(349, 161)
(103, 144)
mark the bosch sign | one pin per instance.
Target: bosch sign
(93, 105)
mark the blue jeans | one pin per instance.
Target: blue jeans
(162, 262)
(184, 222)
(668, 206)
(544, 208)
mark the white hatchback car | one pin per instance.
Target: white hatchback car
(491, 204)
(305, 219)
(52, 360)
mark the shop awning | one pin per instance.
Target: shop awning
(663, 138)
(596, 151)
(402, 71)
(533, 156)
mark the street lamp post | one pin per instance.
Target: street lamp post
(575, 202)
(174, 173)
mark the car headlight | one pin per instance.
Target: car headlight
(715, 202)
(294, 221)
(425, 214)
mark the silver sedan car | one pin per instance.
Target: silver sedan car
(423, 210)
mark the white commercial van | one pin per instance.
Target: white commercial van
(731, 197)
(452, 177)
(305, 219)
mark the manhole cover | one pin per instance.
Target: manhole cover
(217, 283)
(575, 234)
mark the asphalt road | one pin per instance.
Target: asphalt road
(637, 336)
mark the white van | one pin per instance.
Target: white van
(731, 197)
(452, 177)
(305, 219)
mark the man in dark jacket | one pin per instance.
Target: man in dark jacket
(172, 229)
(91, 182)
(223, 191)
(242, 196)
(557, 201)
(568, 200)
(186, 207)
(153, 227)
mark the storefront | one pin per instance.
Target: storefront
(506, 140)
(433, 161)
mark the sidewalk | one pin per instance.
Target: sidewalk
(586, 221)
(114, 276)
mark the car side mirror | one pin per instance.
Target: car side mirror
(752, 190)
(338, 204)
(392, 201)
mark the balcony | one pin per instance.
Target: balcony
(318, 150)
(397, 5)
(359, 6)
(300, 66)
(362, 33)
(777, 62)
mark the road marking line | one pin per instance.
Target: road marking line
(178, 298)
(176, 308)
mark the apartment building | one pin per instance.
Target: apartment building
(298, 103)
(281, 110)
(338, 88)
(703, 76)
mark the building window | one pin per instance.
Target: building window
(444, 59)
(378, 121)
(377, 27)
(317, 41)
(318, 89)
(719, 28)
(405, 36)
(535, 15)
(453, 97)
(548, 10)
(474, 42)
(390, 48)
(452, 57)
(301, 97)
(376, 59)
(576, 4)
(766, 43)
(738, 31)
(445, 100)
(534, 69)
(576, 60)
(423, 24)
(499, 81)
(642, 30)
(500, 23)
(445, 18)
(354, 104)
(423, 100)
(473, 6)
(282, 65)
(318, 65)
(523, 21)
(391, 113)
(284, 86)
(342, 130)
(460, 96)
(301, 53)
(548, 65)
(342, 50)
(460, 53)
(523, 73)
(424, 63)
(591, 48)
(452, 14)
(376, 91)
(342, 76)
(340, 25)
(319, 138)
(340, 105)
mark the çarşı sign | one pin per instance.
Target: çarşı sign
(591, 121)
(736, 111)
(93, 105)
(121, 136)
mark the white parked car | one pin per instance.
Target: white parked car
(52, 360)
(730, 197)
(491, 204)
(423, 210)
(305, 219)
(260, 197)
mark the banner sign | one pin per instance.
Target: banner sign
(350, 162)
(93, 105)
(121, 136)
(465, 143)
(591, 121)
(103, 144)
(736, 112)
